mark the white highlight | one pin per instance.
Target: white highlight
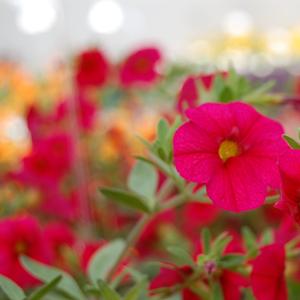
(36, 16)
(106, 16)
(238, 23)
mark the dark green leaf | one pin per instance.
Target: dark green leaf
(104, 259)
(107, 292)
(291, 142)
(217, 291)
(231, 260)
(226, 95)
(206, 240)
(45, 289)
(46, 274)
(162, 130)
(135, 292)
(11, 289)
(128, 199)
(250, 241)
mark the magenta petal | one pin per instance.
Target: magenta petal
(195, 154)
(267, 277)
(237, 186)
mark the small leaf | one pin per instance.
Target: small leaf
(135, 292)
(143, 180)
(217, 291)
(104, 259)
(45, 289)
(126, 198)
(231, 260)
(107, 292)
(162, 130)
(250, 241)
(220, 243)
(291, 142)
(226, 95)
(182, 255)
(206, 240)
(46, 274)
(267, 237)
(11, 289)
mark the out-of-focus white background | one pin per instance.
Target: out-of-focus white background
(35, 31)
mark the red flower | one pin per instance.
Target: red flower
(50, 159)
(85, 109)
(194, 216)
(92, 69)
(289, 166)
(140, 67)
(233, 150)
(21, 236)
(58, 205)
(188, 96)
(267, 277)
(59, 237)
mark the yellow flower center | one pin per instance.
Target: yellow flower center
(228, 149)
(20, 247)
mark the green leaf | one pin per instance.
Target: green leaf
(162, 130)
(219, 244)
(107, 292)
(136, 292)
(231, 260)
(206, 240)
(250, 241)
(143, 180)
(267, 237)
(226, 95)
(104, 259)
(47, 274)
(291, 142)
(11, 289)
(182, 255)
(45, 289)
(128, 199)
(217, 291)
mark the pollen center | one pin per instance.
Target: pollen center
(20, 247)
(228, 149)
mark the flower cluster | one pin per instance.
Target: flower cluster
(206, 204)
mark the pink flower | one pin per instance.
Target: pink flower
(21, 236)
(50, 159)
(58, 205)
(188, 96)
(267, 277)
(233, 150)
(85, 109)
(289, 166)
(92, 69)
(139, 68)
(59, 237)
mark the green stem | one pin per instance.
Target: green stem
(130, 242)
(165, 190)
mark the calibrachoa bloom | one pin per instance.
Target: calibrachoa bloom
(140, 68)
(21, 236)
(188, 96)
(60, 237)
(50, 159)
(233, 150)
(92, 69)
(267, 277)
(289, 165)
